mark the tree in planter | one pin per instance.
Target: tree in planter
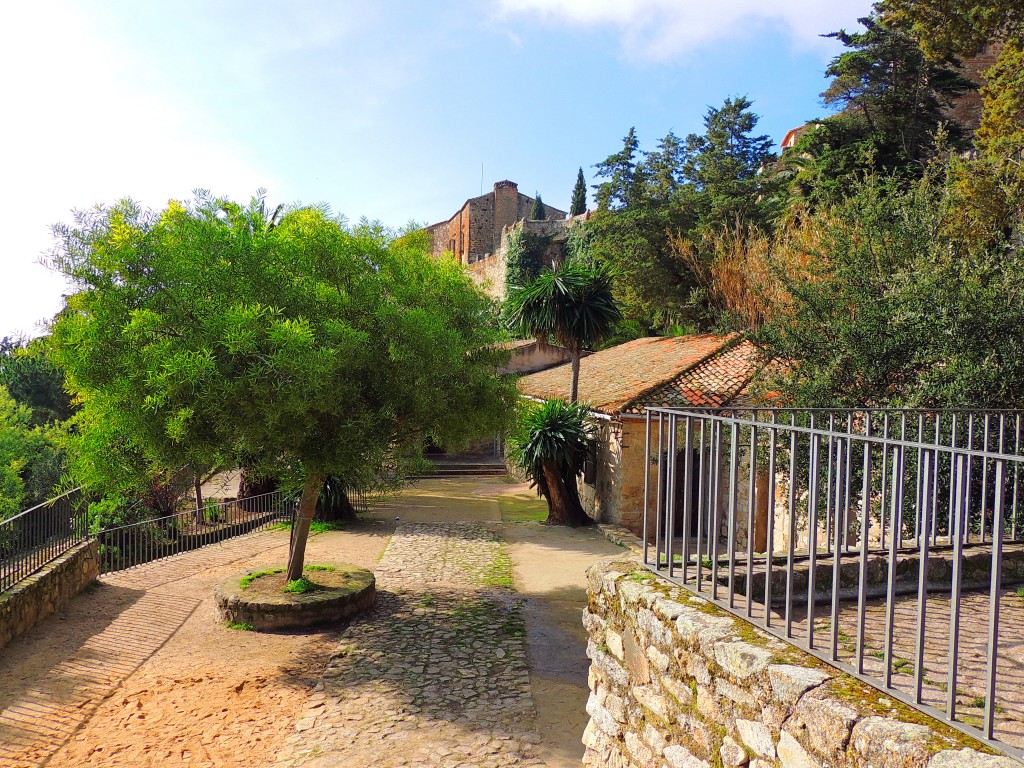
(572, 303)
(550, 444)
(209, 332)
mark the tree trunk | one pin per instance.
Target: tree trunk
(197, 486)
(300, 532)
(563, 506)
(574, 387)
(339, 510)
(249, 485)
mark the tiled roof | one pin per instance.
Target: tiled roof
(701, 370)
(715, 382)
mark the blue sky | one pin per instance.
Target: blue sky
(384, 109)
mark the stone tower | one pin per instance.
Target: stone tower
(506, 208)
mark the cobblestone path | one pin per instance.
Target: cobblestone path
(436, 673)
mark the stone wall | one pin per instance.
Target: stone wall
(677, 683)
(34, 598)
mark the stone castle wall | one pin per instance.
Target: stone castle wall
(677, 683)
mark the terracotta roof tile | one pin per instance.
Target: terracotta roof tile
(679, 370)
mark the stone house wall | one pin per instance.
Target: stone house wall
(47, 591)
(678, 683)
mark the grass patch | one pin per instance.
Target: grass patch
(522, 509)
(317, 526)
(249, 578)
(300, 586)
(319, 568)
(240, 626)
(499, 572)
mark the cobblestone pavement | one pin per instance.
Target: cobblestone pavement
(436, 673)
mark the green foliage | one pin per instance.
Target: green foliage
(524, 257)
(1001, 133)
(300, 586)
(578, 205)
(537, 211)
(210, 330)
(573, 303)
(624, 185)
(957, 27)
(241, 626)
(893, 102)
(554, 431)
(725, 165)
(32, 380)
(909, 300)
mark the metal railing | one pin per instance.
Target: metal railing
(145, 541)
(33, 538)
(881, 541)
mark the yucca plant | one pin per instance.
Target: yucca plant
(550, 444)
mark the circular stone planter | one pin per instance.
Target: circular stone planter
(343, 591)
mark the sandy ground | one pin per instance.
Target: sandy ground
(138, 672)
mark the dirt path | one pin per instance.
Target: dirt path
(138, 672)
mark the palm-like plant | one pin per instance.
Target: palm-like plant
(572, 303)
(550, 445)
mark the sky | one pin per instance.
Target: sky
(396, 110)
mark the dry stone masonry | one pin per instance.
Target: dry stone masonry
(435, 674)
(677, 683)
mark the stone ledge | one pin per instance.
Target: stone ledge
(48, 590)
(624, 537)
(707, 688)
(349, 590)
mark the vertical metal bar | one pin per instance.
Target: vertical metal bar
(770, 522)
(970, 466)
(734, 436)
(956, 526)
(791, 543)
(994, 595)
(894, 539)
(661, 491)
(716, 528)
(935, 480)
(1014, 509)
(952, 475)
(844, 513)
(812, 529)
(842, 450)
(922, 582)
(701, 497)
(984, 479)
(647, 477)
(687, 494)
(751, 523)
(884, 479)
(672, 492)
(828, 482)
(865, 530)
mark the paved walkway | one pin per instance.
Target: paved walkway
(436, 674)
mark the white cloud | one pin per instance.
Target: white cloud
(663, 29)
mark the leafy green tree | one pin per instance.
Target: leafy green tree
(892, 102)
(725, 165)
(573, 303)
(210, 331)
(537, 211)
(625, 177)
(524, 257)
(1001, 133)
(907, 301)
(19, 444)
(550, 445)
(578, 205)
(948, 28)
(32, 380)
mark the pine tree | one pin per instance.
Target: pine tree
(579, 196)
(625, 181)
(538, 212)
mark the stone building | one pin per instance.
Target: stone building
(699, 371)
(478, 232)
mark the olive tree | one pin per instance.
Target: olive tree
(209, 331)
